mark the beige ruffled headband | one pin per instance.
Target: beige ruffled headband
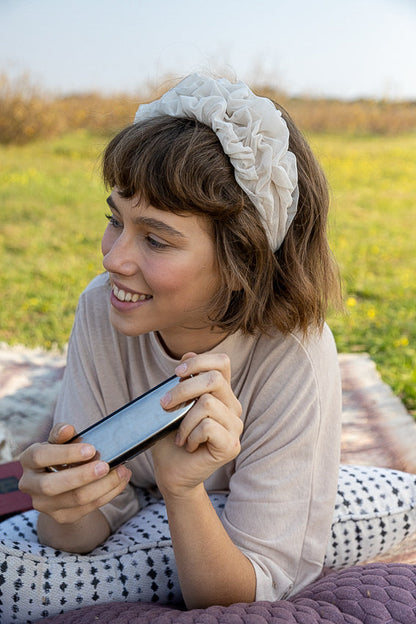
(252, 133)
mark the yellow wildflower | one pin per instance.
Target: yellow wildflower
(403, 341)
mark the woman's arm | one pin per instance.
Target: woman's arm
(212, 570)
(77, 537)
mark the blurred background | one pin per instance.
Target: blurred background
(73, 73)
(343, 49)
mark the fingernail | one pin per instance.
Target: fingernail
(101, 469)
(61, 429)
(165, 400)
(87, 451)
(123, 473)
(181, 369)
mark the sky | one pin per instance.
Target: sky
(331, 48)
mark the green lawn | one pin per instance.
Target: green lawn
(373, 183)
(53, 217)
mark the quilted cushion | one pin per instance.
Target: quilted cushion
(375, 509)
(371, 594)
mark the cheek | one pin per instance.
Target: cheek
(164, 278)
(172, 279)
(107, 241)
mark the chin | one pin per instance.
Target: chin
(128, 329)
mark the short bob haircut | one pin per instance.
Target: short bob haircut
(178, 165)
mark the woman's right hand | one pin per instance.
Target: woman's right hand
(70, 493)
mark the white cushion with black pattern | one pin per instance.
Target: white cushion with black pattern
(375, 509)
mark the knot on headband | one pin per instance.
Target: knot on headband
(254, 136)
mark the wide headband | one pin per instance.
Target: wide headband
(254, 136)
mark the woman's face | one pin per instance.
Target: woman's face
(163, 273)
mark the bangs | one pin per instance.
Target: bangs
(173, 164)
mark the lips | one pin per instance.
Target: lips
(129, 296)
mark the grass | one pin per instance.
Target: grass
(373, 181)
(52, 222)
(53, 217)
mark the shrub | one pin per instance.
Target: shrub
(27, 113)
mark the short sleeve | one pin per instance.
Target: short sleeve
(282, 493)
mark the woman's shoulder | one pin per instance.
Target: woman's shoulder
(92, 315)
(95, 295)
(294, 362)
(279, 354)
(316, 345)
(292, 378)
(99, 284)
(288, 362)
(314, 348)
(314, 357)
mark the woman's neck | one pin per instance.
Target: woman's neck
(198, 342)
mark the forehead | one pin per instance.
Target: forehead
(142, 213)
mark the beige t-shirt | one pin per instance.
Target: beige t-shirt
(283, 483)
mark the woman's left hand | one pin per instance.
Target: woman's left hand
(209, 435)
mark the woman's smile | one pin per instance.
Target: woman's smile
(126, 295)
(124, 298)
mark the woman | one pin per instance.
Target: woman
(218, 270)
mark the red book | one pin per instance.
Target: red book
(12, 500)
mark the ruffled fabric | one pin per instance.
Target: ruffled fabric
(252, 133)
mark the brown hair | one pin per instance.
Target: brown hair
(179, 165)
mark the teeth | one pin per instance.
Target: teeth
(122, 295)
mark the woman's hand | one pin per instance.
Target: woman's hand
(70, 493)
(209, 435)
(211, 569)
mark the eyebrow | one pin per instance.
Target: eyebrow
(160, 226)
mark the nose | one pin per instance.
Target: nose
(119, 253)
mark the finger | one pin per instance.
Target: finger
(72, 513)
(55, 483)
(43, 455)
(210, 382)
(60, 433)
(54, 495)
(192, 364)
(209, 406)
(95, 476)
(221, 444)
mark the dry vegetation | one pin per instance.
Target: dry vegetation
(382, 117)
(27, 113)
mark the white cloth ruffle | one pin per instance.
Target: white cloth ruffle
(252, 133)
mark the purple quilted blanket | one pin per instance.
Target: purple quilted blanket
(376, 593)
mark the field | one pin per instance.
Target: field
(373, 182)
(53, 217)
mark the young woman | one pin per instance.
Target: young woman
(217, 268)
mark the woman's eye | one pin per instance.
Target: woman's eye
(112, 220)
(155, 243)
